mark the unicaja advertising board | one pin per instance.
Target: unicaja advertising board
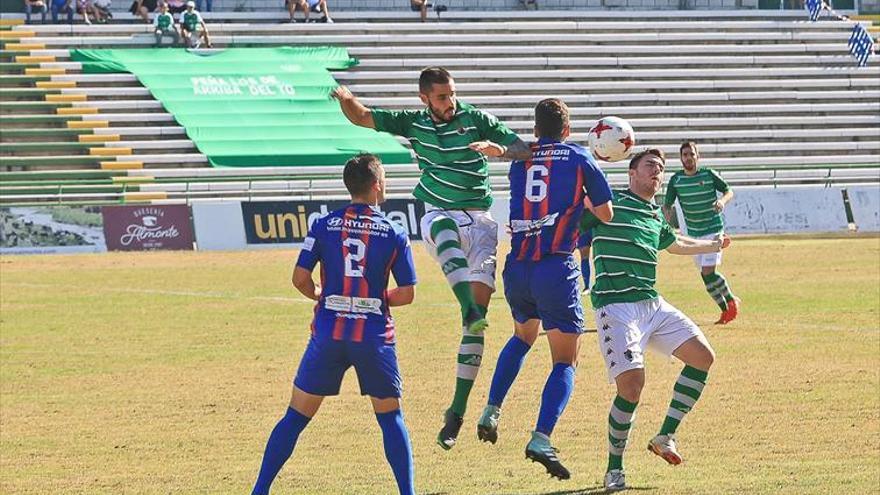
(288, 222)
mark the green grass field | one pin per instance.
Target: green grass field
(165, 372)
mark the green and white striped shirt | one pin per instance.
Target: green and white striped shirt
(453, 176)
(697, 195)
(625, 249)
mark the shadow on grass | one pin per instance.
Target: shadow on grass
(594, 490)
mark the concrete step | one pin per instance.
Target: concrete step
(672, 98)
(514, 27)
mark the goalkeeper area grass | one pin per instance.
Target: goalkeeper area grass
(165, 373)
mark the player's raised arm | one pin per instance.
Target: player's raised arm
(355, 111)
(517, 150)
(685, 245)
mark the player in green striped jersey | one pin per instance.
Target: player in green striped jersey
(451, 141)
(696, 189)
(631, 316)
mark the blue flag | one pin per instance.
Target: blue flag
(861, 45)
(814, 7)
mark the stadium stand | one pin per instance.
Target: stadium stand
(772, 98)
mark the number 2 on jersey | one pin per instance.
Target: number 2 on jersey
(536, 188)
(356, 252)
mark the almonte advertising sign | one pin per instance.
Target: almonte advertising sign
(139, 228)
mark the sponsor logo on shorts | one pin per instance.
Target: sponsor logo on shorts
(353, 304)
(533, 227)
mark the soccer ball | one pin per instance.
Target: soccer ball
(611, 139)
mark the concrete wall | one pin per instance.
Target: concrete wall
(264, 5)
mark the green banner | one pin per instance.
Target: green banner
(248, 107)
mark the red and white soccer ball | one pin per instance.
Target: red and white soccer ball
(612, 139)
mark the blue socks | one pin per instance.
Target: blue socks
(510, 361)
(278, 448)
(557, 391)
(398, 450)
(585, 271)
(283, 439)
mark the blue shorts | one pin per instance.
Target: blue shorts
(326, 360)
(547, 290)
(585, 239)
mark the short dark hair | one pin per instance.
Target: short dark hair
(650, 151)
(551, 117)
(431, 76)
(361, 172)
(688, 144)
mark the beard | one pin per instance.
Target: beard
(440, 117)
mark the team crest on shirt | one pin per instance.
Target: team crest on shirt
(461, 131)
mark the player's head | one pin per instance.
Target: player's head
(690, 155)
(163, 7)
(437, 92)
(646, 172)
(189, 6)
(364, 177)
(552, 119)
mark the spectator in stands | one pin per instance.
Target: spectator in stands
(193, 27)
(420, 6)
(208, 7)
(60, 7)
(163, 25)
(85, 8)
(143, 8)
(102, 9)
(31, 6)
(177, 6)
(308, 6)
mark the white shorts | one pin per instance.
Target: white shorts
(627, 330)
(709, 259)
(479, 240)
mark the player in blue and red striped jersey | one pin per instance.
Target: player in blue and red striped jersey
(541, 274)
(358, 248)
